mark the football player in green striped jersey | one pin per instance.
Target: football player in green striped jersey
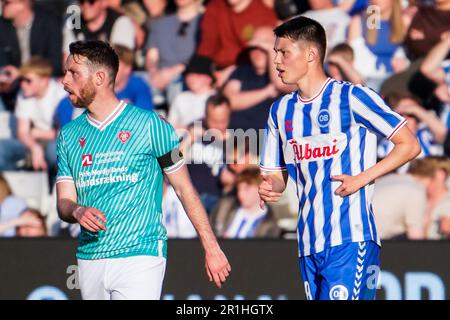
(111, 162)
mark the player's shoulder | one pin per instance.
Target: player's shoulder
(283, 100)
(144, 115)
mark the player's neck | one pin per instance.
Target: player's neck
(103, 106)
(310, 85)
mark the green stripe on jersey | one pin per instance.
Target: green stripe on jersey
(115, 170)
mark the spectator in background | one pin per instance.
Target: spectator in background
(35, 107)
(189, 105)
(240, 216)
(226, 28)
(340, 64)
(437, 217)
(136, 12)
(10, 209)
(242, 157)
(204, 150)
(99, 22)
(129, 87)
(175, 219)
(352, 7)
(334, 20)
(377, 46)
(429, 130)
(250, 89)
(436, 67)
(31, 224)
(427, 27)
(399, 204)
(64, 113)
(26, 32)
(171, 43)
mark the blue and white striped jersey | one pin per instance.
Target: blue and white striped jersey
(330, 134)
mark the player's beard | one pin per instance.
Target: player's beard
(86, 97)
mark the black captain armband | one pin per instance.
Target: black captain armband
(170, 158)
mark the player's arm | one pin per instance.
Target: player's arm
(216, 263)
(69, 211)
(272, 164)
(371, 112)
(406, 148)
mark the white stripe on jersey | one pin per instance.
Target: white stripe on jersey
(331, 134)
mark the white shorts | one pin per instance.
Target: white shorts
(130, 278)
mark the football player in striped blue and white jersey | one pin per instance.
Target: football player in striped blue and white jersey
(323, 136)
(111, 161)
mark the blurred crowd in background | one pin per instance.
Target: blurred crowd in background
(210, 63)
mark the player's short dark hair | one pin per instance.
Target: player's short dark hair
(98, 53)
(306, 29)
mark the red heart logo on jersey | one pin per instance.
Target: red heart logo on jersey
(124, 136)
(82, 142)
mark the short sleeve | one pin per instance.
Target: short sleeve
(272, 158)
(371, 112)
(64, 172)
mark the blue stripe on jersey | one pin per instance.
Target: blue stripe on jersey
(273, 112)
(345, 157)
(312, 167)
(327, 201)
(362, 191)
(325, 106)
(367, 101)
(367, 124)
(345, 109)
(372, 222)
(345, 206)
(307, 120)
(289, 117)
(301, 223)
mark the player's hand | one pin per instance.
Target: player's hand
(350, 184)
(90, 218)
(217, 266)
(266, 191)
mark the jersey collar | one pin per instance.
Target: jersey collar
(110, 119)
(317, 94)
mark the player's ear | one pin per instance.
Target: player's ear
(100, 78)
(313, 53)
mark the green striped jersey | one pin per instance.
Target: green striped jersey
(114, 167)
